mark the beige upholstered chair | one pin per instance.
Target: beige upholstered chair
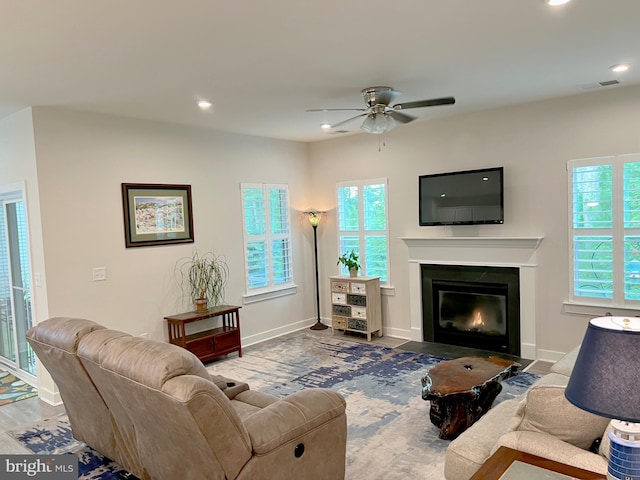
(170, 419)
(56, 344)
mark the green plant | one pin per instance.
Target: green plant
(349, 260)
(203, 276)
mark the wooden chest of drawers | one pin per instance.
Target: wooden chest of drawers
(355, 305)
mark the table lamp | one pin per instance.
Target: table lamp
(606, 381)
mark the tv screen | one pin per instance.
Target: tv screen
(462, 198)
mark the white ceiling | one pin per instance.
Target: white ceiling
(262, 64)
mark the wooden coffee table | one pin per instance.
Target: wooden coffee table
(498, 464)
(463, 389)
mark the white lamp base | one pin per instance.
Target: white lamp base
(624, 455)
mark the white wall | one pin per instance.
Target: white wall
(18, 169)
(83, 159)
(532, 141)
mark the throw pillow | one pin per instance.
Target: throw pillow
(545, 409)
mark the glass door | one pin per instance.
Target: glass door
(15, 285)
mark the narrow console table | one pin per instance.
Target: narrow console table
(212, 343)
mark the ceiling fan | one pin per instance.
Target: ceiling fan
(380, 116)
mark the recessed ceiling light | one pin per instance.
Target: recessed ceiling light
(325, 126)
(620, 67)
(204, 104)
(443, 195)
(485, 179)
(555, 3)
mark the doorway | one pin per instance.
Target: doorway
(16, 317)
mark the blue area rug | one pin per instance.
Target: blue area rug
(390, 435)
(53, 437)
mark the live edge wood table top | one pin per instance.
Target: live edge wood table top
(503, 458)
(463, 389)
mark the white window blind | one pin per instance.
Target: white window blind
(267, 236)
(604, 211)
(363, 224)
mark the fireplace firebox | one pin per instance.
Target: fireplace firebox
(472, 306)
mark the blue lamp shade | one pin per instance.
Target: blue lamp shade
(606, 381)
(606, 376)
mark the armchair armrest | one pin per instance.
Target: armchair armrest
(292, 416)
(230, 387)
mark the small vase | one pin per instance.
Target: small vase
(353, 272)
(201, 304)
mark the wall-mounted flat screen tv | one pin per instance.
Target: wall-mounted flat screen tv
(462, 198)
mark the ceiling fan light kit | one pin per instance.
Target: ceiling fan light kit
(378, 123)
(380, 117)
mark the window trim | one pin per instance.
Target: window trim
(361, 232)
(252, 295)
(579, 304)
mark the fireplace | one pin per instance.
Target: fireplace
(472, 306)
(519, 253)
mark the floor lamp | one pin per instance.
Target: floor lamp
(314, 220)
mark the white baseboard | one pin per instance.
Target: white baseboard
(407, 335)
(47, 396)
(278, 332)
(550, 355)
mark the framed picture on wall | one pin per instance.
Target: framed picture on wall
(156, 214)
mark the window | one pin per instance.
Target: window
(363, 225)
(267, 237)
(605, 230)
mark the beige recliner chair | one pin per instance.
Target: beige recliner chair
(154, 408)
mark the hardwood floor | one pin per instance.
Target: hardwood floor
(20, 414)
(539, 367)
(32, 410)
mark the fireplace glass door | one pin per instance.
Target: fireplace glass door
(472, 312)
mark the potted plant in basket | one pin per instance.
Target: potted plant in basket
(203, 277)
(351, 262)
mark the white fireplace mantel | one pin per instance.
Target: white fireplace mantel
(517, 252)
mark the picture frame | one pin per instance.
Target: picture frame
(156, 214)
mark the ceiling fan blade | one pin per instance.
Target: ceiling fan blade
(425, 103)
(401, 117)
(347, 120)
(336, 109)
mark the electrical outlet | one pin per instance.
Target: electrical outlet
(37, 279)
(99, 274)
